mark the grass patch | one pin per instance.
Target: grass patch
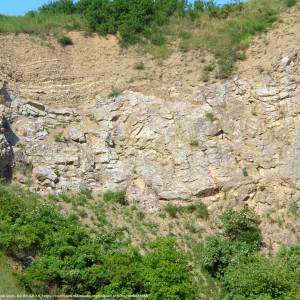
(60, 138)
(294, 208)
(171, 210)
(115, 92)
(8, 281)
(199, 209)
(159, 52)
(41, 24)
(207, 69)
(115, 197)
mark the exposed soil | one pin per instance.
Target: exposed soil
(74, 75)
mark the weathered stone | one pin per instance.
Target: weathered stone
(45, 173)
(76, 134)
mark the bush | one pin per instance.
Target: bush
(158, 39)
(258, 276)
(241, 226)
(244, 272)
(65, 40)
(58, 7)
(290, 3)
(242, 238)
(220, 253)
(164, 263)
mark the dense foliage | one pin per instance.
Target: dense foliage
(62, 255)
(244, 273)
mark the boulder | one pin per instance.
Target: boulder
(43, 173)
(77, 135)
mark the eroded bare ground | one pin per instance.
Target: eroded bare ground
(169, 138)
(45, 71)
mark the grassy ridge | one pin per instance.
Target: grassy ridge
(161, 26)
(40, 24)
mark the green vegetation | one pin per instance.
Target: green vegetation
(245, 172)
(139, 66)
(65, 40)
(243, 272)
(199, 209)
(211, 116)
(194, 143)
(68, 258)
(115, 92)
(171, 210)
(8, 281)
(294, 208)
(206, 71)
(41, 24)
(60, 137)
(160, 25)
(115, 197)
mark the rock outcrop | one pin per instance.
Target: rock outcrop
(228, 144)
(6, 150)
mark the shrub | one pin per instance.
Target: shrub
(219, 254)
(245, 172)
(65, 40)
(158, 39)
(258, 276)
(201, 211)
(290, 256)
(290, 3)
(166, 273)
(58, 7)
(199, 208)
(139, 66)
(294, 208)
(241, 239)
(207, 69)
(115, 197)
(241, 226)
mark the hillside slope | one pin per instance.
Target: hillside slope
(229, 143)
(168, 152)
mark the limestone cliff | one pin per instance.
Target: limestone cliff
(229, 144)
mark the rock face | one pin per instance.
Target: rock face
(6, 151)
(228, 144)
